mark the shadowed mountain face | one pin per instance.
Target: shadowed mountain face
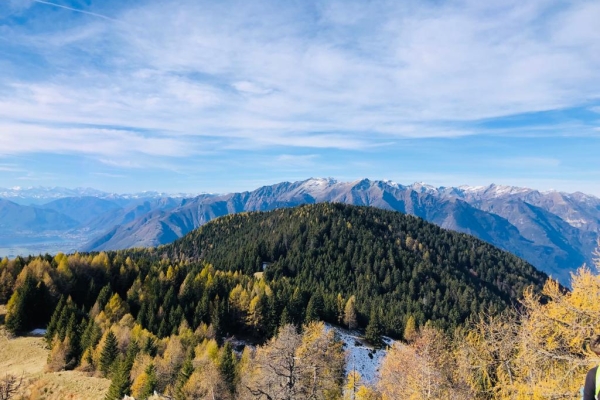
(556, 232)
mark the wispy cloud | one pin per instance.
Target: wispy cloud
(93, 14)
(294, 161)
(527, 162)
(10, 168)
(193, 78)
(206, 68)
(109, 175)
(36, 138)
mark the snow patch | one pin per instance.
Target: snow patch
(38, 332)
(577, 223)
(360, 356)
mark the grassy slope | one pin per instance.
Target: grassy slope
(27, 356)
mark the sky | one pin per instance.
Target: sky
(220, 96)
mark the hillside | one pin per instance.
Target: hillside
(17, 218)
(389, 260)
(27, 356)
(165, 318)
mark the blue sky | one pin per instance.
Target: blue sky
(218, 96)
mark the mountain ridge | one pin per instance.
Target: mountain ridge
(491, 213)
(555, 231)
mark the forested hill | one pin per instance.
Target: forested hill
(159, 316)
(396, 265)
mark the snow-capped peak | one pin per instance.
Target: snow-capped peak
(320, 182)
(467, 188)
(422, 187)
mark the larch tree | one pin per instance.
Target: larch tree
(298, 366)
(350, 319)
(426, 369)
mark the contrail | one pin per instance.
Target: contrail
(76, 10)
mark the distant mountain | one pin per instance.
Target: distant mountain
(81, 209)
(41, 195)
(17, 218)
(42, 220)
(554, 231)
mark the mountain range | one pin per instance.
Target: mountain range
(556, 232)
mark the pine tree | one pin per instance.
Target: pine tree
(21, 307)
(102, 300)
(91, 335)
(186, 371)
(52, 325)
(315, 308)
(410, 330)
(150, 382)
(120, 381)
(374, 330)
(109, 353)
(285, 317)
(227, 366)
(120, 384)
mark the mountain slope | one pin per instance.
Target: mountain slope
(82, 209)
(385, 258)
(15, 217)
(518, 220)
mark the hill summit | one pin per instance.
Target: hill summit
(388, 260)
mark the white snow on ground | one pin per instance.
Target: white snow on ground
(361, 356)
(38, 332)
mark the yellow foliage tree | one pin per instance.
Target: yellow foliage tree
(542, 353)
(410, 330)
(295, 366)
(424, 370)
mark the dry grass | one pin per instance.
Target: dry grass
(22, 355)
(26, 356)
(68, 385)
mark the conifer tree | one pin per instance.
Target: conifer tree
(22, 307)
(149, 382)
(374, 330)
(186, 371)
(315, 308)
(285, 317)
(109, 353)
(120, 381)
(91, 335)
(52, 325)
(120, 384)
(227, 366)
(410, 330)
